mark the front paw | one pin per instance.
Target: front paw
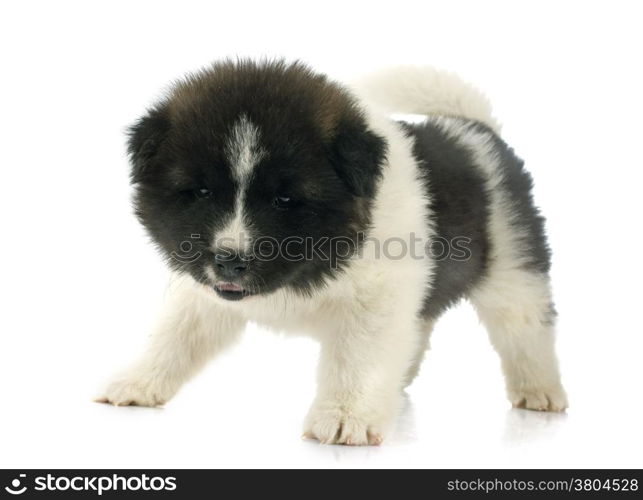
(134, 391)
(539, 399)
(342, 424)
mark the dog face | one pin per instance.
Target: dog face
(255, 176)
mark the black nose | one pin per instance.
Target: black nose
(230, 265)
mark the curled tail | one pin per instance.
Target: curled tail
(424, 90)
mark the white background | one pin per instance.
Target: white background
(81, 284)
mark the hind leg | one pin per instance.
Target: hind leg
(420, 351)
(516, 308)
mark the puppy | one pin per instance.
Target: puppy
(282, 197)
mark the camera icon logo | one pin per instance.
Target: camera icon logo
(15, 488)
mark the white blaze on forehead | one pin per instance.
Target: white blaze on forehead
(243, 152)
(243, 149)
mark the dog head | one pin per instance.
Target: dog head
(255, 176)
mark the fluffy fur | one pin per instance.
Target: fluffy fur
(243, 152)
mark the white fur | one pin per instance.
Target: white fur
(372, 338)
(424, 90)
(235, 235)
(243, 148)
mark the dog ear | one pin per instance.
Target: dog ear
(144, 138)
(358, 155)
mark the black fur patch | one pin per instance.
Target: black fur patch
(459, 204)
(145, 138)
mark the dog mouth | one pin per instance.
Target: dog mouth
(231, 291)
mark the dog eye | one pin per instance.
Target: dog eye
(283, 202)
(203, 193)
